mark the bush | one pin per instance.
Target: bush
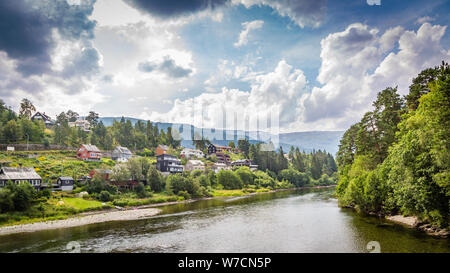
(184, 194)
(245, 175)
(229, 180)
(22, 195)
(104, 196)
(140, 190)
(155, 180)
(6, 201)
(44, 193)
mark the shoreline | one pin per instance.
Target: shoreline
(414, 222)
(410, 222)
(80, 220)
(116, 214)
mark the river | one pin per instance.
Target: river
(288, 221)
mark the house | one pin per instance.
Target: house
(244, 162)
(212, 149)
(194, 165)
(126, 185)
(121, 154)
(89, 152)
(42, 116)
(64, 184)
(219, 166)
(168, 163)
(223, 158)
(241, 162)
(103, 173)
(161, 149)
(82, 124)
(20, 175)
(189, 153)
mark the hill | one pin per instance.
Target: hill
(307, 141)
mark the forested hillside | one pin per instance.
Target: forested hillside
(397, 158)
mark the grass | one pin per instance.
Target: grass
(78, 204)
(49, 210)
(127, 201)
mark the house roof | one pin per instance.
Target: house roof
(164, 147)
(185, 150)
(65, 178)
(90, 148)
(241, 161)
(196, 162)
(41, 114)
(103, 171)
(17, 173)
(122, 150)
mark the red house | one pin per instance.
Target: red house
(89, 152)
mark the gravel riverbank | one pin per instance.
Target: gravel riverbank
(122, 215)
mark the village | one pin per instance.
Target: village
(216, 159)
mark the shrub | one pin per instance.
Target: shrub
(104, 196)
(229, 180)
(184, 194)
(140, 190)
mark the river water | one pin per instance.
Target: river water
(288, 221)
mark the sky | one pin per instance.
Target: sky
(314, 64)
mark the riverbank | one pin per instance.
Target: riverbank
(116, 214)
(414, 222)
(411, 222)
(81, 220)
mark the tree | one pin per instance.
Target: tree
(22, 195)
(420, 84)
(92, 118)
(231, 144)
(120, 173)
(199, 142)
(245, 175)
(155, 180)
(12, 131)
(229, 180)
(26, 108)
(72, 116)
(140, 190)
(244, 146)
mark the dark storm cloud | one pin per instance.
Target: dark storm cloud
(26, 30)
(167, 66)
(168, 8)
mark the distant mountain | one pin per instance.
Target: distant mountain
(305, 141)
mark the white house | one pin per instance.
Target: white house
(189, 153)
(81, 123)
(194, 165)
(220, 166)
(121, 154)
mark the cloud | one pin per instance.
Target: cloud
(355, 68)
(174, 8)
(276, 91)
(424, 19)
(246, 28)
(26, 30)
(166, 66)
(302, 12)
